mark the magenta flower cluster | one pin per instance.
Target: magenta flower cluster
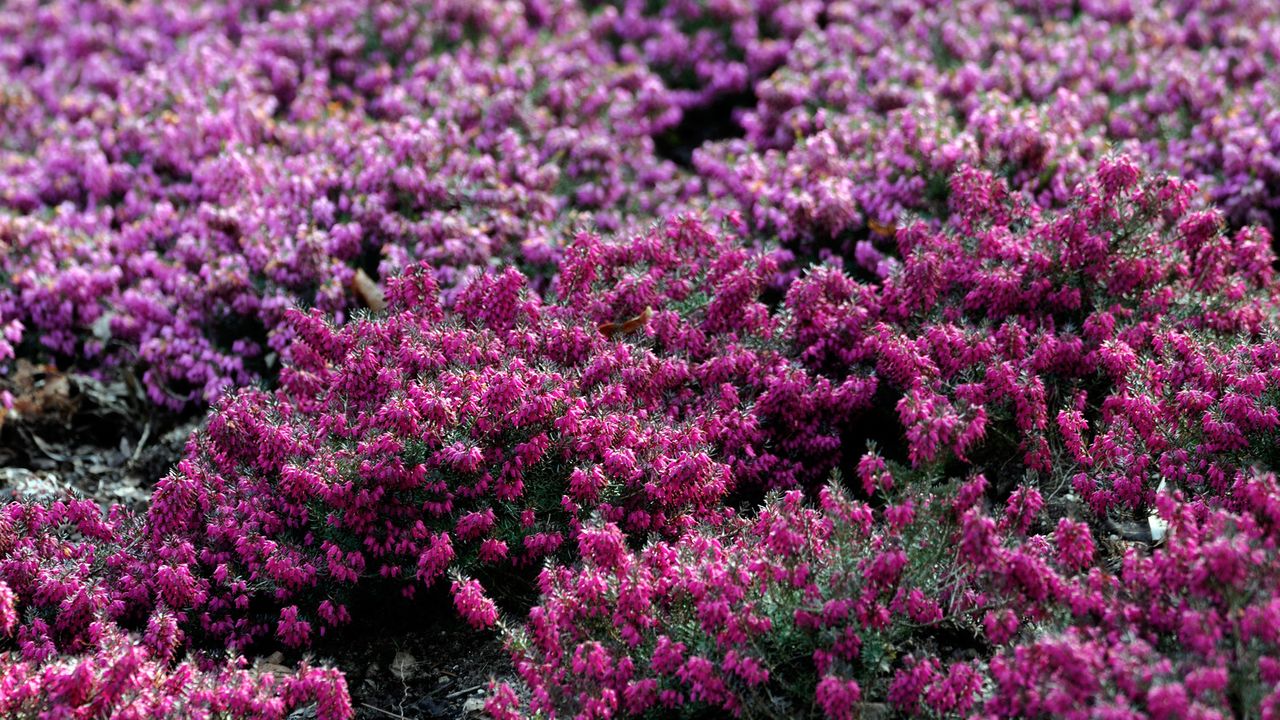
(705, 51)
(80, 635)
(177, 175)
(749, 616)
(808, 611)
(1011, 327)
(422, 442)
(405, 446)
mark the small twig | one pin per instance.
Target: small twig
(142, 443)
(384, 712)
(464, 691)
(44, 447)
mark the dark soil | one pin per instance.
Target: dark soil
(701, 125)
(417, 661)
(69, 433)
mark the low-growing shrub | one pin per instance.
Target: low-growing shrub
(773, 393)
(85, 633)
(403, 446)
(1110, 346)
(179, 181)
(928, 604)
(704, 51)
(1186, 630)
(880, 102)
(423, 440)
(796, 611)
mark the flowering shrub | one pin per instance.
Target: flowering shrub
(1083, 334)
(797, 610)
(71, 590)
(769, 395)
(1101, 337)
(63, 568)
(582, 232)
(416, 442)
(875, 107)
(123, 678)
(168, 196)
(809, 612)
(426, 440)
(1187, 631)
(705, 50)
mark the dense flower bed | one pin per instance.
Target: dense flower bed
(1009, 396)
(875, 108)
(424, 441)
(809, 611)
(768, 612)
(167, 231)
(704, 51)
(182, 175)
(1112, 349)
(403, 447)
(80, 635)
(1127, 307)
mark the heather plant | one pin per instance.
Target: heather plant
(1103, 351)
(424, 441)
(802, 611)
(877, 105)
(1187, 630)
(1091, 347)
(771, 398)
(248, 161)
(702, 50)
(85, 633)
(419, 442)
(931, 604)
(484, 289)
(65, 569)
(120, 677)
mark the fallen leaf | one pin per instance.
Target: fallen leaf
(274, 669)
(403, 665)
(610, 330)
(274, 664)
(880, 228)
(40, 392)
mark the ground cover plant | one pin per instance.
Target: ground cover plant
(145, 219)
(699, 359)
(879, 104)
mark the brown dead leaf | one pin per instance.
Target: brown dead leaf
(277, 670)
(40, 393)
(274, 664)
(404, 666)
(610, 330)
(882, 229)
